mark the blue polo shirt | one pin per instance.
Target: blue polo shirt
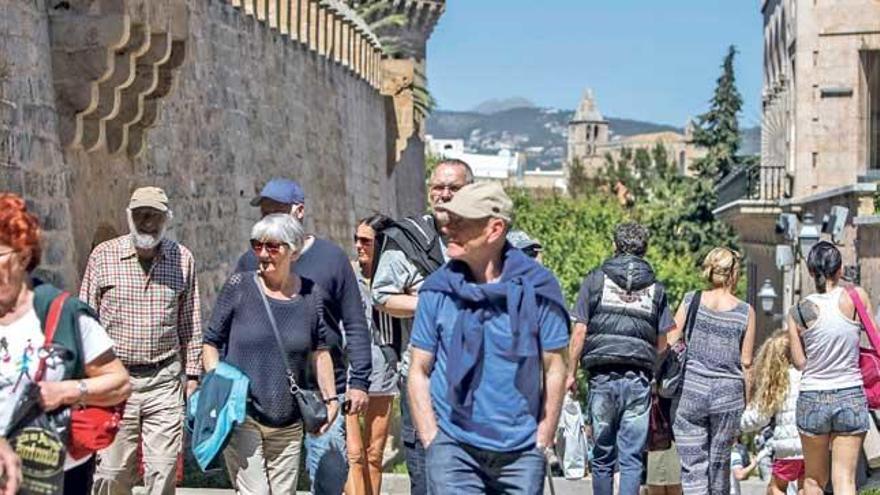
(506, 416)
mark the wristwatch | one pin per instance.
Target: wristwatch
(83, 391)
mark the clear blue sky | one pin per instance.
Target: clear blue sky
(645, 59)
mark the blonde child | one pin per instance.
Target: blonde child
(775, 397)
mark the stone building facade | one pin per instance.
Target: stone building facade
(591, 141)
(820, 143)
(207, 99)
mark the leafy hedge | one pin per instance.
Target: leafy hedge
(577, 234)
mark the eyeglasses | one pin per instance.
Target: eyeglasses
(271, 247)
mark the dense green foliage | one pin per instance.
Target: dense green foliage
(577, 233)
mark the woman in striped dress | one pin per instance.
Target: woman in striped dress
(719, 357)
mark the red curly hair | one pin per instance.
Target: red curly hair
(19, 229)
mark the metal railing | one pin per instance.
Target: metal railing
(755, 182)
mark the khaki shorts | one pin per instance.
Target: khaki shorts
(664, 467)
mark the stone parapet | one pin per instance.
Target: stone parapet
(329, 28)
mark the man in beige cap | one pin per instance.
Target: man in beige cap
(144, 289)
(488, 365)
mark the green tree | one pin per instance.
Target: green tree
(717, 130)
(578, 182)
(577, 233)
(662, 167)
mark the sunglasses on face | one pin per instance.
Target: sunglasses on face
(271, 247)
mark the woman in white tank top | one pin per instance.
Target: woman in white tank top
(832, 410)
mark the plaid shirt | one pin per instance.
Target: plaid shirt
(151, 316)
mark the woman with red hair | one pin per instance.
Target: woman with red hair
(77, 368)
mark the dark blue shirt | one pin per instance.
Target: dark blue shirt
(241, 325)
(327, 265)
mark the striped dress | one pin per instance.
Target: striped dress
(712, 400)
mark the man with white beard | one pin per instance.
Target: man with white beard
(144, 289)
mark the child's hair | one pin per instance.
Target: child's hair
(771, 370)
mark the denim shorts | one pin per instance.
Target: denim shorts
(842, 411)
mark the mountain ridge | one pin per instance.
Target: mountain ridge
(540, 132)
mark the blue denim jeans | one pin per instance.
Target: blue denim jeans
(460, 469)
(414, 451)
(327, 458)
(842, 411)
(619, 407)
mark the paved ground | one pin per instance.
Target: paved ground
(399, 485)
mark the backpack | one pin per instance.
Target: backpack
(417, 238)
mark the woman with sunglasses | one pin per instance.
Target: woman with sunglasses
(366, 444)
(263, 453)
(716, 375)
(79, 367)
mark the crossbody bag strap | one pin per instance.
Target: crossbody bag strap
(873, 337)
(52, 319)
(294, 388)
(691, 317)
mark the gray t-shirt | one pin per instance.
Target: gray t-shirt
(396, 275)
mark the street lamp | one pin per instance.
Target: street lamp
(809, 235)
(767, 295)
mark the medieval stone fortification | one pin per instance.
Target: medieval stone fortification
(207, 99)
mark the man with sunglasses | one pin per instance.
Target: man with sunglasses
(145, 290)
(522, 241)
(395, 285)
(327, 265)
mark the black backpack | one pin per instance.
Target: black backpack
(417, 238)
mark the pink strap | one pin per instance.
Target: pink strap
(873, 336)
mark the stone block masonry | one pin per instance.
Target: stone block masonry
(246, 102)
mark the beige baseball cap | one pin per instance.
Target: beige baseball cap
(149, 197)
(480, 200)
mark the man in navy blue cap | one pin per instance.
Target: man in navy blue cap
(281, 196)
(327, 265)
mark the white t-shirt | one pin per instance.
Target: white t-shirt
(20, 345)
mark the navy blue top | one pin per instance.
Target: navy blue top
(241, 325)
(327, 265)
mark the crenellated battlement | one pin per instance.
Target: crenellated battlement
(327, 27)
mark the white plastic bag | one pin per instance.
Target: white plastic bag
(574, 454)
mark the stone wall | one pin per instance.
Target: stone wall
(31, 161)
(247, 104)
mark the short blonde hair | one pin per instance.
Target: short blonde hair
(721, 267)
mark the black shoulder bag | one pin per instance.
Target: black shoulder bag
(670, 377)
(311, 407)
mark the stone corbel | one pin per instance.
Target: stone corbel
(397, 82)
(112, 62)
(83, 47)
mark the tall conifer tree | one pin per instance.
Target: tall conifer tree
(718, 129)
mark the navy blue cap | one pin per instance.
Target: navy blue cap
(283, 191)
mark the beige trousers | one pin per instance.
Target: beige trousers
(263, 460)
(155, 412)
